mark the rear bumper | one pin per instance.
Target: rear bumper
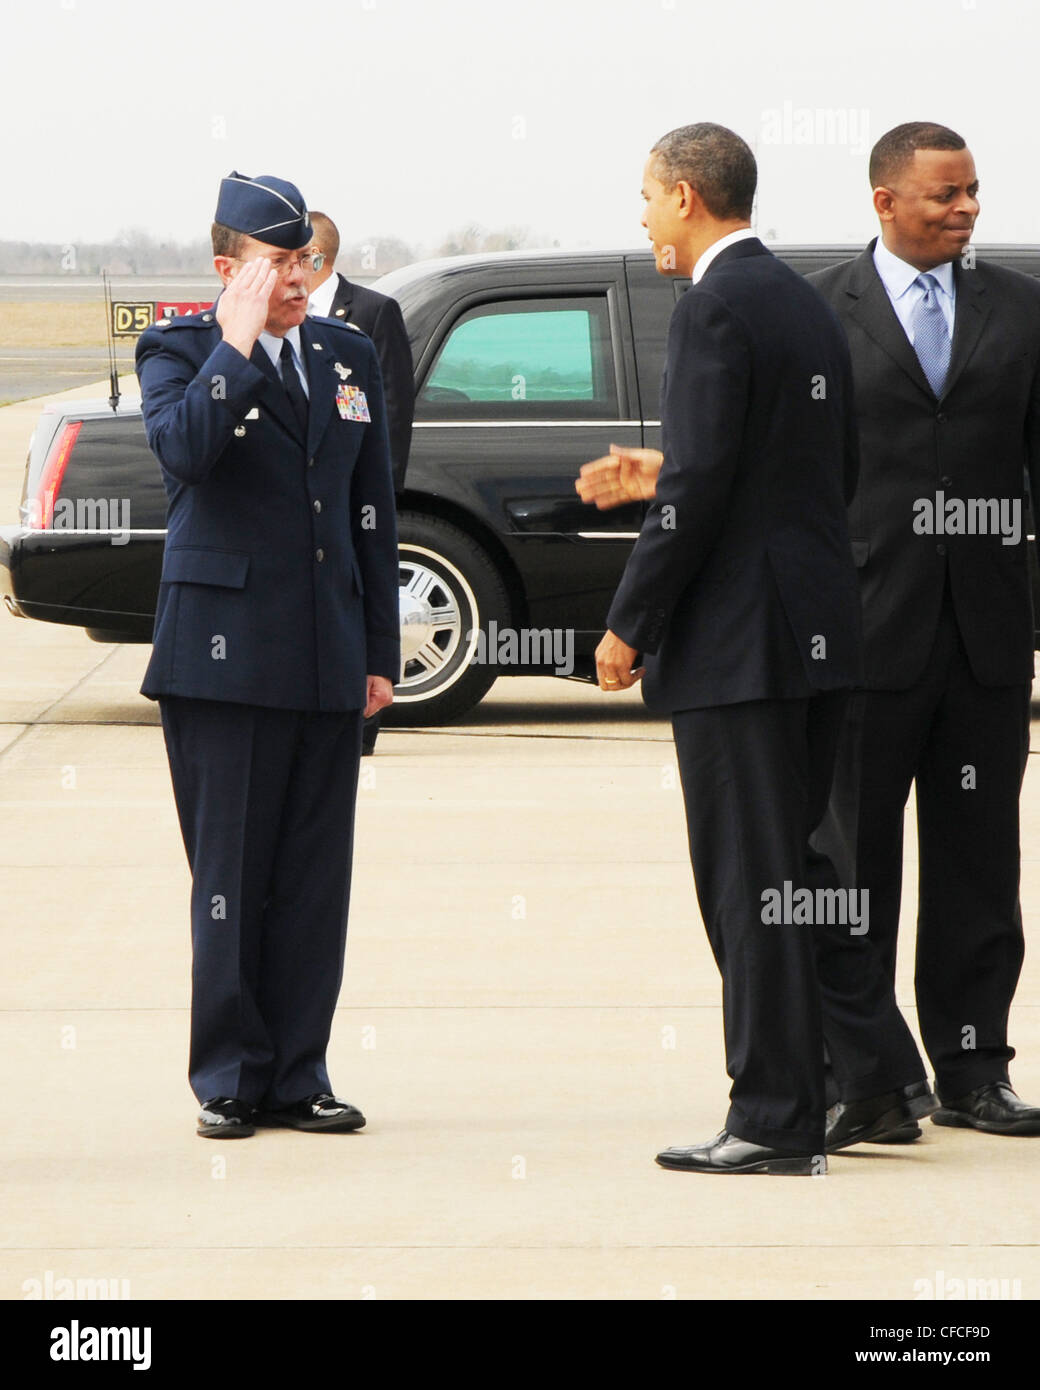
(82, 580)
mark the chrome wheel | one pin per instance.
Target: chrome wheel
(439, 623)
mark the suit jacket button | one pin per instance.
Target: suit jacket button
(947, 481)
(317, 504)
(940, 549)
(310, 463)
(941, 417)
(319, 555)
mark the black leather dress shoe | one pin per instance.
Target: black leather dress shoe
(728, 1154)
(906, 1134)
(878, 1117)
(224, 1117)
(318, 1112)
(993, 1108)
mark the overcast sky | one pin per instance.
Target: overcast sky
(412, 117)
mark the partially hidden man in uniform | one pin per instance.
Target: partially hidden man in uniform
(946, 363)
(332, 295)
(741, 594)
(276, 631)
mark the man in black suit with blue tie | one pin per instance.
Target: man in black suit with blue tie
(276, 630)
(946, 362)
(740, 594)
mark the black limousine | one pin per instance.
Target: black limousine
(527, 364)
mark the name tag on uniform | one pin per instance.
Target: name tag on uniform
(352, 403)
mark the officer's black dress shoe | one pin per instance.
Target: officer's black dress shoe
(878, 1117)
(993, 1108)
(728, 1154)
(318, 1112)
(224, 1117)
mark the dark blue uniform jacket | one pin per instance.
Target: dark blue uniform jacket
(280, 574)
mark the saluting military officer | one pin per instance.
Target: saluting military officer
(276, 632)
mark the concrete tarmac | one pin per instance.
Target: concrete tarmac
(530, 1011)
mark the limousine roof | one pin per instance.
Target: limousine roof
(1020, 255)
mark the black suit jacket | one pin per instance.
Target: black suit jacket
(741, 585)
(380, 317)
(976, 443)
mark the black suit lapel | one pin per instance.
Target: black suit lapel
(968, 322)
(342, 300)
(872, 309)
(322, 380)
(273, 395)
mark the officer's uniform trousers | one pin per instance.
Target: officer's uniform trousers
(265, 799)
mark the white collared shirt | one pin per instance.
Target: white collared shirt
(706, 257)
(320, 302)
(273, 347)
(898, 278)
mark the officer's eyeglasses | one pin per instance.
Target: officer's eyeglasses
(311, 261)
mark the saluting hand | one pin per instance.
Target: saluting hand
(243, 307)
(623, 475)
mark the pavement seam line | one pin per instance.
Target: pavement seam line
(55, 703)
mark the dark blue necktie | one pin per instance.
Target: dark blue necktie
(293, 389)
(931, 340)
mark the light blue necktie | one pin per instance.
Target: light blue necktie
(931, 340)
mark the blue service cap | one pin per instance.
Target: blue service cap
(267, 208)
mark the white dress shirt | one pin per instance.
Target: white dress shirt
(898, 278)
(273, 347)
(730, 239)
(320, 302)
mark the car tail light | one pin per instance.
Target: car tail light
(41, 510)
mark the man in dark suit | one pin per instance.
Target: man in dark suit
(946, 363)
(276, 628)
(332, 295)
(741, 594)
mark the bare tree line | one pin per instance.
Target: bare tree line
(136, 252)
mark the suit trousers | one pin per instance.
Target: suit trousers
(265, 799)
(965, 745)
(755, 779)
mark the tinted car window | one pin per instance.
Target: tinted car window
(515, 359)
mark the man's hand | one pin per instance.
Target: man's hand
(380, 694)
(614, 660)
(623, 475)
(243, 307)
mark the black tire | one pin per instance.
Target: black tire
(450, 587)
